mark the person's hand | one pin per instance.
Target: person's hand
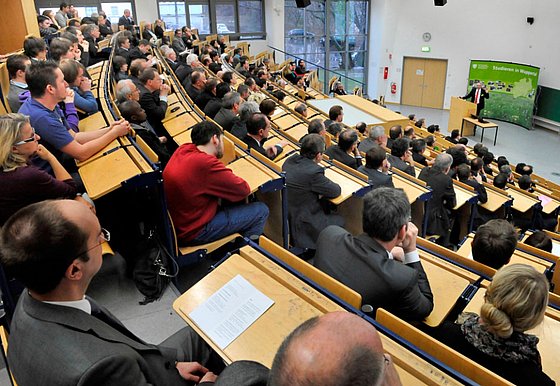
(163, 139)
(86, 203)
(209, 377)
(408, 157)
(164, 90)
(121, 129)
(69, 96)
(191, 371)
(85, 84)
(85, 45)
(283, 143)
(43, 153)
(409, 242)
(398, 254)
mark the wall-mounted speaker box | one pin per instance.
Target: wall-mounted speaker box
(303, 3)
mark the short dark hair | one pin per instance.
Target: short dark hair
(409, 132)
(38, 244)
(256, 122)
(33, 45)
(196, 76)
(430, 140)
(361, 127)
(311, 145)
(242, 89)
(122, 39)
(143, 42)
(15, 63)
(128, 108)
(211, 84)
(488, 158)
(62, 6)
(227, 77)
(280, 95)
(463, 141)
(540, 240)
(334, 112)
(39, 75)
(463, 172)
(525, 182)
(459, 156)
(420, 122)
(300, 108)
(386, 210)
(400, 146)
(249, 81)
(375, 157)
(418, 145)
(477, 149)
(118, 62)
(500, 181)
(476, 164)
(267, 107)
(315, 126)
(454, 133)
(347, 138)
(222, 89)
(59, 47)
(215, 67)
(395, 132)
(335, 129)
(147, 74)
(494, 243)
(136, 67)
(432, 129)
(501, 161)
(203, 131)
(71, 68)
(70, 36)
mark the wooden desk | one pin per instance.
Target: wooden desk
(173, 111)
(252, 171)
(374, 109)
(483, 126)
(294, 303)
(184, 137)
(495, 201)
(93, 122)
(180, 123)
(522, 202)
(548, 333)
(462, 196)
(348, 185)
(110, 147)
(413, 191)
(286, 121)
(297, 132)
(97, 178)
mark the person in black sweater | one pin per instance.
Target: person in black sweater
(515, 302)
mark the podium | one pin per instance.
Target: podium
(460, 109)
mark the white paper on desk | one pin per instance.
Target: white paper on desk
(230, 311)
(544, 199)
(556, 248)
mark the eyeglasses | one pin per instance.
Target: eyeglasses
(27, 140)
(104, 235)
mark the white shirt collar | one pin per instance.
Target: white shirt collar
(82, 304)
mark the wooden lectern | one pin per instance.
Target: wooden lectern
(460, 109)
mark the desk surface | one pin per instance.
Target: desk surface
(294, 303)
(252, 171)
(180, 123)
(347, 184)
(495, 200)
(376, 110)
(521, 201)
(462, 195)
(548, 333)
(352, 114)
(487, 125)
(286, 121)
(412, 190)
(93, 122)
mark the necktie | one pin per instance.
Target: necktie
(477, 96)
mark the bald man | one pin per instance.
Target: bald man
(336, 349)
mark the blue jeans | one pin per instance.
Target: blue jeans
(246, 219)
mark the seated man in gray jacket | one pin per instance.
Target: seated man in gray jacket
(365, 262)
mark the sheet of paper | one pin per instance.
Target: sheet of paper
(556, 248)
(230, 311)
(544, 199)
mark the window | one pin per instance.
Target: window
(330, 34)
(225, 18)
(200, 17)
(115, 10)
(173, 14)
(250, 16)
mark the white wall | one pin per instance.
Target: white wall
(462, 30)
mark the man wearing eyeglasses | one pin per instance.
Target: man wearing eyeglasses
(58, 335)
(47, 87)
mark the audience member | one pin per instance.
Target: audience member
(227, 114)
(215, 104)
(136, 68)
(316, 126)
(126, 20)
(35, 49)
(395, 132)
(208, 94)
(246, 111)
(61, 48)
(336, 115)
(438, 209)
(267, 107)
(123, 47)
(258, 127)
(335, 129)
(307, 187)
(243, 91)
(418, 148)
(336, 349)
(454, 137)
(365, 263)
(60, 16)
(515, 302)
(153, 99)
(377, 168)
(195, 181)
(196, 84)
(487, 159)
(526, 183)
(409, 133)
(401, 156)
(142, 51)
(464, 175)
(16, 65)
(540, 240)
(84, 99)
(346, 151)
(376, 137)
(494, 242)
(120, 68)
(127, 90)
(477, 170)
(432, 129)
(500, 181)
(301, 109)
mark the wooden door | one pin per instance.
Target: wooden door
(423, 83)
(435, 72)
(413, 81)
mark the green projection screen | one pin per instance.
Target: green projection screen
(512, 89)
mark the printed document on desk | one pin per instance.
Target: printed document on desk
(230, 311)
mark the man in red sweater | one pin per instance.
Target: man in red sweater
(195, 180)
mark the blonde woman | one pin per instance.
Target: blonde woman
(515, 302)
(21, 183)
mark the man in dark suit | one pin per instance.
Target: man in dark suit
(126, 20)
(54, 249)
(142, 51)
(123, 47)
(401, 156)
(366, 264)
(307, 186)
(346, 151)
(228, 112)
(395, 132)
(258, 127)
(443, 197)
(477, 95)
(153, 99)
(377, 168)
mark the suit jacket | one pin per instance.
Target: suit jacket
(126, 22)
(124, 53)
(484, 95)
(398, 163)
(172, 65)
(306, 183)
(363, 264)
(224, 118)
(71, 347)
(159, 32)
(178, 45)
(377, 178)
(135, 53)
(479, 188)
(419, 158)
(335, 152)
(366, 145)
(443, 199)
(155, 108)
(252, 143)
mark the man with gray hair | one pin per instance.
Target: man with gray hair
(366, 264)
(376, 136)
(316, 126)
(230, 106)
(196, 85)
(301, 109)
(443, 198)
(246, 110)
(127, 90)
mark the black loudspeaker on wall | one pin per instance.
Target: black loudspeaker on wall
(440, 3)
(303, 3)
